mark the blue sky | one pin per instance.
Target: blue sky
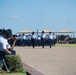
(38, 14)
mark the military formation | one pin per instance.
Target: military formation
(34, 39)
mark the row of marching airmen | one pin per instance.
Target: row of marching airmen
(36, 40)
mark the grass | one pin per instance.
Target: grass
(66, 45)
(15, 74)
(2, 72)
(12, 74)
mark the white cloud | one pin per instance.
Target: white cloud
(15, 16)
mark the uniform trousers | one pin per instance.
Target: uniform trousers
(50, 42)
(43, 42)
(3, 53)
(33, 43)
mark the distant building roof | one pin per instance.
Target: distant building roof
(25, 31)
(46, 31)
(66, 31)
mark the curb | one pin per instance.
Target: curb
(31, 71)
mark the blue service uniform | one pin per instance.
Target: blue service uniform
(43, 40)
(33, 38)
(50, 39)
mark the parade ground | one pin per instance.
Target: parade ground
(57, 60)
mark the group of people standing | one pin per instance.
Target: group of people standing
(36, 39)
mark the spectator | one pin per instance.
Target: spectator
(5, 48)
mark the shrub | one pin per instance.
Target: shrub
(14, 63)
